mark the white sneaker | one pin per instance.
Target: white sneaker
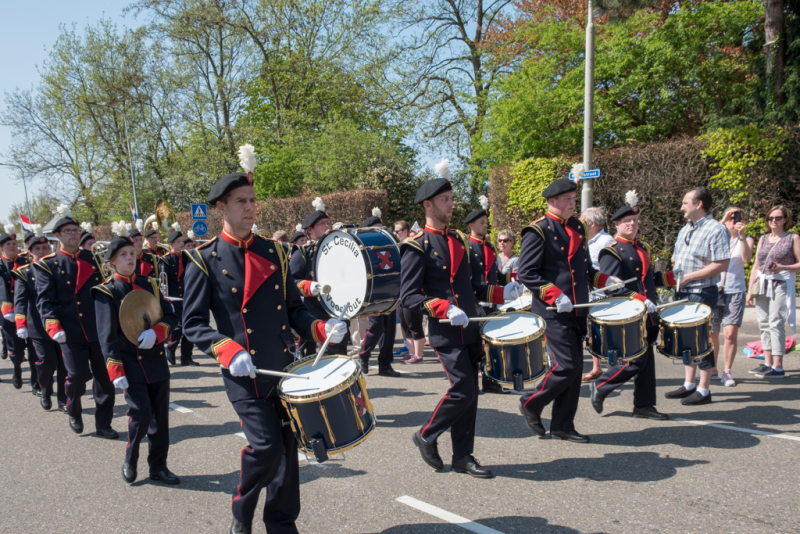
(727, 379)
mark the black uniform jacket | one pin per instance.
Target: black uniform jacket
(435, 272)
(148, 264)
(63, 284)
(554, 259)
(628, 259)
(483, 260)
(25, 312)
(173, 265)
(124, 358)
(301, 263)
(7, 286)
(247, 285)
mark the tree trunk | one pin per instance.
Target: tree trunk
(775, 48)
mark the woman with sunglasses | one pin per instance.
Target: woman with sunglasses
(506, 259)
(771, 288)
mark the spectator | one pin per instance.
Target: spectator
(506, 259)
(410, 322)
(595, 219)
(729, 312)
(281, 236)
(772, 288)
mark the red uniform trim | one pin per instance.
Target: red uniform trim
(495, 294)
(162, 332)
(456, 254)
(436, 231)
(235, 241)
(600, 280)
(225, 350)
(549, 293)
(305, 288)
(123, 278)
(7, 308)
(115, 369)
(639, 297)
(437, 308)
(318, 331)
(53, 327)
(669, 278)
(21, 320)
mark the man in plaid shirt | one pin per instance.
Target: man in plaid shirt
(702, 252)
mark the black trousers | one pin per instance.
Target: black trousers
(380, 333)
(269, 461)
(148, 415)
(84, 361)
(51, 361)
(176, 339)
(458, 409)
(643, 372)
(562, 383)
(16, 346)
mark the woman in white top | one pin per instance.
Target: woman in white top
(729, 312)
(506, 260)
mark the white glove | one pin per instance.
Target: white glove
(60, 337)
(9, 317)
(651, 308)
(563, 304)
(242, 365)
(315, 288)
(22, 333)
(121, 382)
(512, 290)
(147, 338)
(612, 280)
(457, 316)
(335, 329)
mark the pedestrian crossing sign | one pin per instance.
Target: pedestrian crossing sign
(199, 212)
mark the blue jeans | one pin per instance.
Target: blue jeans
(708, 296)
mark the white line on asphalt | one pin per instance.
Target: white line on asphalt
(444, 515)
(738, 429)
(177, 408)
(300, 455)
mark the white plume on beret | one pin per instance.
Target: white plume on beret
(139, 224)
(376, 212)
(247, 158)
(254, 229)
(154, 225)
(631, 199)
(318, 204)
(443, 168)
(37, 229)
(118, 227)
(128, 226)
(484, 202)
(299, 227)
(87, 226)
(176, 226)
(190, 234)
(63, 211)
(577, 171)
(9, 228)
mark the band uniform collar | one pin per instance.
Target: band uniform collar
(476, 240)
(436, 231)
(123, 278)
(626, 241)
(9, 259)
(70, 254)
(556, 218)
(235, 241)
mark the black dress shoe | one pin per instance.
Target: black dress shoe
(491, 387)
(364, 368)
(170, 356)
(37, 392)
(470, 466)
(429, 451)
(128, 472)
(4, 355)
(45, 402)
(239, 528)
(17, 382)
(62, 408)
(166, 476)
(597, 402)
(680, 393)
(696, 399)
(572, 436)
(533, 421)
(388, 372)
(76, 424)
(188, 362)
(107, 433)
(649, 412)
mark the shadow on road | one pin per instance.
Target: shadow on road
(505, 524)
(387, 393)
(683, 436)
(183, 432)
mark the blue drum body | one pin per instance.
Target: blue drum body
(686, 334)
(515, 357)
(617, 330)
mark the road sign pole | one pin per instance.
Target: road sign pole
(588, 110)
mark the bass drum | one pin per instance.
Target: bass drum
(362, 268)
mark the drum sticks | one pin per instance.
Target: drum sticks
(276, 373)
(612, 287)
(476, 319)
(327, 338)
(587, 305)
(661, 307)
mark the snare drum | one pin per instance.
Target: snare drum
(330, 412)
(617, 330)
(515, 349)
(686, 332)
(362, 267)
(522, 303)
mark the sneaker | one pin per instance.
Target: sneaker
(772, 373)
(407, 358)
(414, 359)
(727, 379)
(761, 369)
(402, 350)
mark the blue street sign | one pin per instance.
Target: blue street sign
(199, 228)
(594, 173)
(199, 212)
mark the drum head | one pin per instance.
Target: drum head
(616, 310)
(340, 265)
(689, 312)
(513, 327)
(329, 373)
(515, 304)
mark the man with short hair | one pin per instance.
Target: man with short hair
(173, 265)
(11, 260)
(281, 235)
(151, 236)
(147, 262)
(702, 252)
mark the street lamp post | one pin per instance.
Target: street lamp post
(24, 185)
(588, 111)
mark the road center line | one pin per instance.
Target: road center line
(444, 515)
(177, 408)
(738, 429)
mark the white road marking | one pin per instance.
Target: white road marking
(177, 408)
(444, 515)
(738, 429)
(300, 455)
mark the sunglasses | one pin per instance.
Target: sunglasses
(775, 219)
(504, 241)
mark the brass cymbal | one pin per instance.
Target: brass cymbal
(138, 312)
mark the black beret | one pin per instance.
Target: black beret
(296, 236)
(150, 232)
(373, 221)
(431, 188)
(624, 211)
(7, 237)
(133, 232)
(85, 236)
(228, 183)
(116, 244)
(174, 235)
(30, 242)
(313, 218)
(188, 240)
(475, 215)
(63, 221)
(559, 187)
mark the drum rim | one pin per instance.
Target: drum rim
(347, 447)
(532, 337)
(625, 359)
(320, 395)
(695, 359)
(706, 320)
(617, 322)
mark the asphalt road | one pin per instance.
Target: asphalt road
(635, 476)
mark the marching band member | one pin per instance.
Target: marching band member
(147, 263)
(151, 236)
(436, 279)
(554, 265)
(139, 370)
(244, 280)
(63, 282)
(188, 243)
(381, 329)
(628, 258)
(12, 260)
(30, 327)
(173, 265)
(298, 238)
(87, 237)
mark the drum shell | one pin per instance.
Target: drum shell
(504, 358)
(629, 339)
(694, 337)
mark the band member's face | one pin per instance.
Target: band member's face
(188, 246)
(319, 229)
(87, 245)
(240, 209)
(138, 241)
(691, 208)
(11, 249)
(152, 241)
(440, 207)
(302, 241)
(628, 226)
(124, 261)
(563, 205)
(480, 227)
(69, 235)
(177, 246)
(39, 251)
(400, 233)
